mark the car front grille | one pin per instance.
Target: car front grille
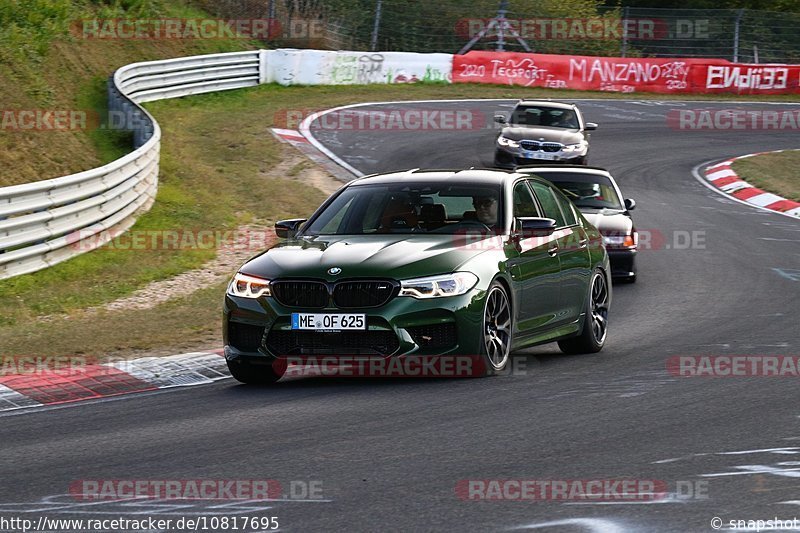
(539, 146)
(245, 337)
(368, 342)
(357, 294)
(434, 335)
(310, 294)
(345, 294)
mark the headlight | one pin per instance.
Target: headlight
(249, 286)
(624, 242)
(502, 141)
(573, 148)
(437, 286)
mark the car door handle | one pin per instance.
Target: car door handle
(553, 251)
(582, 243)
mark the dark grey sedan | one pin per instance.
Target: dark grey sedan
(596, 194)
(542, 132)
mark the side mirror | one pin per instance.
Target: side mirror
(500, 119)
(591, 126)
(535, 226)
(630, 204)
(286, 229)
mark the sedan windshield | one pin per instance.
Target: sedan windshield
(448, 208)
(544, 116)
(589, 191)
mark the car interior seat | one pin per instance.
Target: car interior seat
(399, 215)
(433, 216)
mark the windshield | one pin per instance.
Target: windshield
(590, 191)
(544, 116)
(411, 208)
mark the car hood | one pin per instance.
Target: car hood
(399, 256)
(609, 220)
(559, 135)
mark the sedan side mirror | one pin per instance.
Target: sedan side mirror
(535, 226)
(500, 119)
(591, 126)
(286, 229)
(630, 204)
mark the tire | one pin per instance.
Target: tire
(497, 325)
(594, 330)
(254, 374)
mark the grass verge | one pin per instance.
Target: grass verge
(776, 173)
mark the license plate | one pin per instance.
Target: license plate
(328, 321)
(538, 155)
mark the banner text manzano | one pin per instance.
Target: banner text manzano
(627, 75)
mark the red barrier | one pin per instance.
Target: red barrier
(627, 75)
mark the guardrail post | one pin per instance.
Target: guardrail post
(263, 66)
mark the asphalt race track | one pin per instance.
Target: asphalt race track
(389, 453)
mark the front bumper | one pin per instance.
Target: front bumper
(623, 263)
(511, 158)
(259, 330)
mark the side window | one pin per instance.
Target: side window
(567, 208)
(524, 204)
(548, 202)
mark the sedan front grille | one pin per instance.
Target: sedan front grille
(310, 294)
(540, 146)
(358, 294)
(298, 342)
(345, 294)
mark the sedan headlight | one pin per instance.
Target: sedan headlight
(573, 148)
(438, 286)
(621, 242)
(503, 141)
(249, 286)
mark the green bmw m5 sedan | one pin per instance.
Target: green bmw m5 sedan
(423, 265)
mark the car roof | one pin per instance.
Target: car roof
(547, 103)
(473, 175)
(573, 169)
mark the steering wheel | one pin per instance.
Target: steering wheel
(475, 223)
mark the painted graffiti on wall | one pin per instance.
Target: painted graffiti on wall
(357, 69)
(322, 67)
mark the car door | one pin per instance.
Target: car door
(573, 251)
(534, 269)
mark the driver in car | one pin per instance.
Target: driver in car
(485, 209)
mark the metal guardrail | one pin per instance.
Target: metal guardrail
(46, 222)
